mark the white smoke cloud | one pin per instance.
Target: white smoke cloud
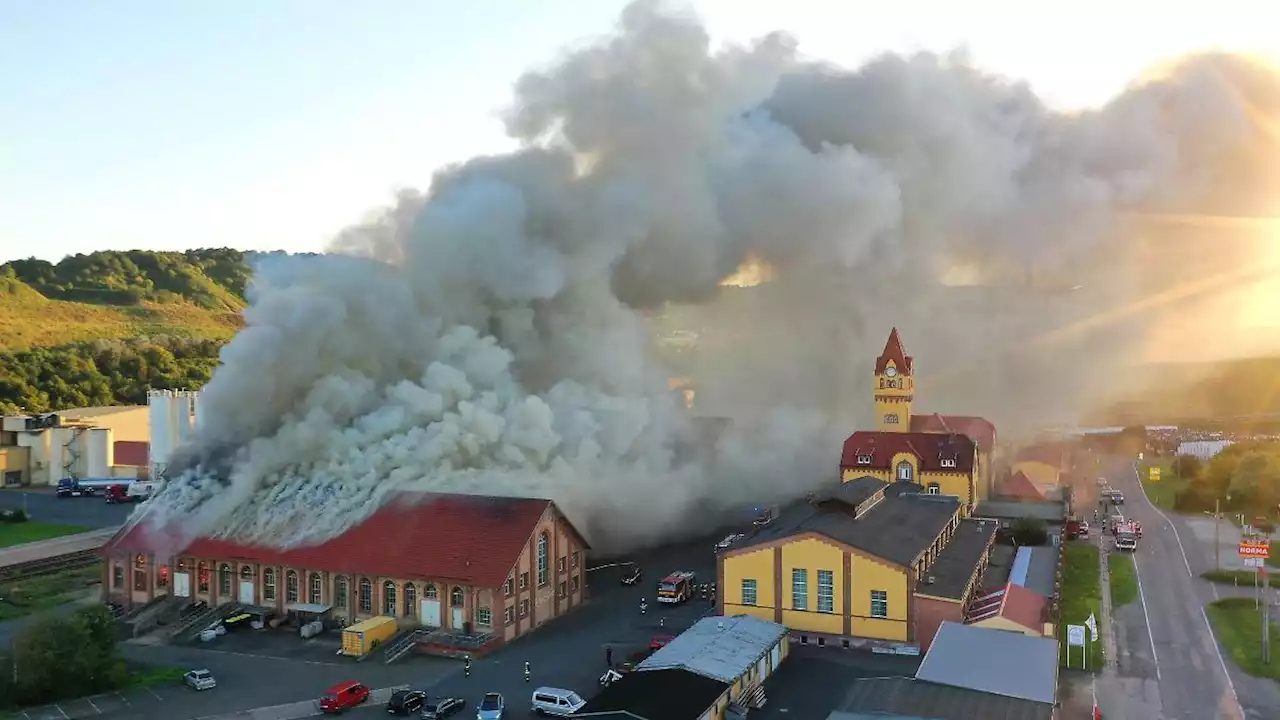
(494, 335)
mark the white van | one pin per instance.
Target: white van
(555, 701)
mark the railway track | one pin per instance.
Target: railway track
(49, 565)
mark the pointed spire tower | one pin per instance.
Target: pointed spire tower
(895, 386)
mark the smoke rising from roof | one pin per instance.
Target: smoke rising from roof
(495, 334)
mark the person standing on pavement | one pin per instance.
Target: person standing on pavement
(526, 671)
(608, 656)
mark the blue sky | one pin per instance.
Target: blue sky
(271, 124)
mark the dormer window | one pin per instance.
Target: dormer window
(864, 459)
(948, 462)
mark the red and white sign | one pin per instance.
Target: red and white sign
(1255, 549)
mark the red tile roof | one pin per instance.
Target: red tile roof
(131, 452)
(1021, 487)
(893, 351)
(1012, 602)
(930, 449)
(1049, 453)
(470, 539)
(980, 430)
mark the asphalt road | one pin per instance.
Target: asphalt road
(45, 506)
(1166, 633)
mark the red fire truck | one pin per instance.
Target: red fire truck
(677, 587)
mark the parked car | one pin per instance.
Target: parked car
(404, 702)
(200, 680)
(657, 642)
(632, 576)
(443, 708)
(492, 707)
(557, 702)
(344, 696)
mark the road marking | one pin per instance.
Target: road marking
(1226, 673)
(95, 707)
(1186, 563)
(155, 694)
(1146, 616)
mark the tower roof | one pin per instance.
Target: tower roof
(893, 351)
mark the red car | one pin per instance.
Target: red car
(344, 696)
(660, 641)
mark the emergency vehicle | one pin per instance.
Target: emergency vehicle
(1127, 534)
(677, 587)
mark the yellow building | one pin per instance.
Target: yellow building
(1042, 463)
(900, 448)
(868, 562)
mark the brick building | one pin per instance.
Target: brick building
(464, 563)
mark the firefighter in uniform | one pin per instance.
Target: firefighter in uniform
(526, 671)
(466, 666)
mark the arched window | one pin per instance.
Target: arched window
(314, 598)
(291, 587)
(246, 572)
(410, 599)
(389, 598)
(905, 471)
(430, 592)
(543, 541)
(455, 597)
(224, 580)
(366, 596)
(202, 572)
(340, 592)
(268, 584)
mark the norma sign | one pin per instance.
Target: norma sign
(1075, 635)
(1255, 549)
(1153, 474)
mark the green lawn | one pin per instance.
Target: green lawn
(1124, 581)
(47, 591)
(156, 675)
(1241, 578)
(1081, 595)
(25, 532)
(1163, 491)
(1238, 626)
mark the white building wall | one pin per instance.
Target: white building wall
(160, 404)
(184, 423)
(1203, 449)
(98, 453)
(38, 445)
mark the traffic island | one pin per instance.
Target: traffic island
(1237, 622)
(1239, 578)
(1081, 597)
(1123, 579)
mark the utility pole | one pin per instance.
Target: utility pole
(1217, 528)
(1266, 631)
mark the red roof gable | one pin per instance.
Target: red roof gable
(1012, 602)
(131, 452)
(893, 351)
(470, 539)
(930, 449)
(979, 430)
(1021, 487)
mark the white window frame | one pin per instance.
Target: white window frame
(864, 459)
(750, 592)
(544, 544)
(891, 418)
(799, 589)
(881, 598)
(933, 489)
(509, 614)
(826, 591)
(948, 462)
(904, 472)
(484, 617)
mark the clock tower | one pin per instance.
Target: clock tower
(895, 387)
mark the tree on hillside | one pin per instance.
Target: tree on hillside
(1187, 467)
(1255, 484)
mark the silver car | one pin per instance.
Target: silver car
(492, 707)
(200, 680)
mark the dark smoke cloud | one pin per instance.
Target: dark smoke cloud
(495, 334)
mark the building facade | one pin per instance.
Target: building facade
(500, 566)
(868, 562)
(894, 395)
(43, 449)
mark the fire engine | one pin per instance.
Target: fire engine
(1127, 534)
(677, 587)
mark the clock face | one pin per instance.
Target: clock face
(891, 371)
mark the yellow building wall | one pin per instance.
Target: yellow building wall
(982, 474)
(858, 471)
(756, 565)
(870, 575)
(894, 401)
(949, 483)
(812, 555)
(15, 459)
(132, 425)
(1040, 473)
(910, 459)
(1000, 623)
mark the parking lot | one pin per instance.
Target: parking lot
(133, 703)
(44, 505)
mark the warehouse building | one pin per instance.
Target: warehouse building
(96, 442)
(466, 564)
(865, 564)
(713, 670)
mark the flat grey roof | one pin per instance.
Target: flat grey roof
(957, 562)
(1012, 664)
(721, 648)
(908, 698)
(1053, 512)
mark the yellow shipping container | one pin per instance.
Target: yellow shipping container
(360, 639)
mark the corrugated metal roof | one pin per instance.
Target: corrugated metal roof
(721, 648)
(1013, 664)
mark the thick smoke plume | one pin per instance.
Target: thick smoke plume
(495, 334)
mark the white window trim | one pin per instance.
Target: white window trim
(864, 459)
(799, 588)
(948, 462)
(830, 594)
(753, 597)
(884, 604)
(484, 617)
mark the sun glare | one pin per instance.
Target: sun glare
(752, 272)
(1260, 303)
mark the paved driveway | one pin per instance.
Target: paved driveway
(44, 505)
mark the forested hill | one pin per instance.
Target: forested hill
(101, 328)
